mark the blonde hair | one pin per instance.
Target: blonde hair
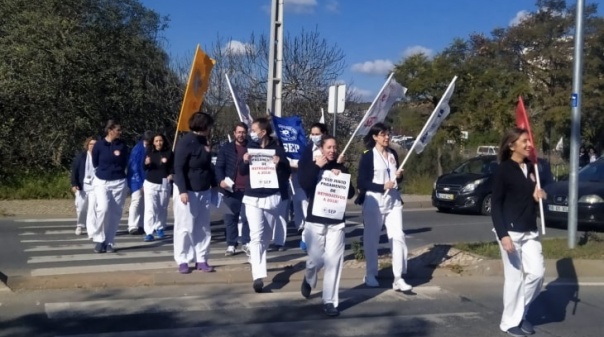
(87, 142)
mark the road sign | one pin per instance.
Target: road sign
(337, 98)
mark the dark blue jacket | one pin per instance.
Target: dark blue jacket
(78, 170)
(136, 167)
(193, 169)
(283, 172)
(110, 159)
(306, 158)
(226, 164)
(309, 181)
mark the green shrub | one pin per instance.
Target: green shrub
(39, 185)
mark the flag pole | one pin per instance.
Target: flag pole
(367, 113)
(541, 216)
(233, 95)
(427, 124)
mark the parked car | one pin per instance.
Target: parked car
(469, 186)
(486, 150)
(590, 197)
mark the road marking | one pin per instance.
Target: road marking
(81, 246)
(54, 220)
(120, 255)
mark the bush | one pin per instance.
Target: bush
(39, 185)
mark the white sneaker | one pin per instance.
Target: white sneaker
(246, 249)
(401, 285)
(230, 251)
(371, 281)
(79, 230)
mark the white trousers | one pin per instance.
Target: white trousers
(156, 206)
(110, 196)
(325, 247)
(373, 219)
(135, 212)
(300, 207)
(523, 271)
(280, 228)
(192, 233)
(262, 223)
(85, 207)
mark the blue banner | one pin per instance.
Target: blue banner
(291, 135)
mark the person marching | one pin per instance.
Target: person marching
(109, 158)
(193, 180)
(82, 174)
(136, 180)
(514, 215)
(232, 184)
(159, 167)
(324, 237)
(262, 204)
(378, 180)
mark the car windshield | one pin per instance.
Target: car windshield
(483, 165)
(592, 173)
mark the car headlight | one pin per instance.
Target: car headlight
(434, 185)
(472, 186)
(591, 199)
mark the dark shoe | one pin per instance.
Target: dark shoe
(258, 285)
(330, 310)
(99, 248)
(204, 266)
(149, 238)
(527, 327)
(281, 248)
(133, 231)
(305, 289)
(183, 268)
(516, 332)
(160, 234)
(110, 248)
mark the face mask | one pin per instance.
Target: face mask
(315, 139)
(254, 136)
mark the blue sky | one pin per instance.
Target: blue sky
(374, 34)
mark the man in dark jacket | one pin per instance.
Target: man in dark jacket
(232, 185)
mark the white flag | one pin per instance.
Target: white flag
(390, 93)
(322, 120)
(440, 113)
(560, 145)
(242, 109)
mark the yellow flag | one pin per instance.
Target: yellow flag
(197, 85)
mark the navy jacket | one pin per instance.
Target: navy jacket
(306, 158)
(193, 170)
(309, 181)
(110, 159)
(283, 172)
(226, 164)
(78, 170)
(513, 206)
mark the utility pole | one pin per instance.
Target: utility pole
(275, 60)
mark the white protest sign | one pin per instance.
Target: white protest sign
(263, 171)
(330, 195)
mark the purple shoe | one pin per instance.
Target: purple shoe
(204, 266)
(183, 268)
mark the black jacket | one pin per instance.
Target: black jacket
(193, 170)
(365, 175)
(226, 164)
(309, 181)
(160, 167)
(78, 170)
(283, 172)
(513, 205)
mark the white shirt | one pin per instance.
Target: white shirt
(384, 170)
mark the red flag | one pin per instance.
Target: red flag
(523, 123)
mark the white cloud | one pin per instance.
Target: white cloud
(333, 6)
(235, 47)
(414, 50)
(520, 16)
(375, 67)
(366, 95)
(300, 6)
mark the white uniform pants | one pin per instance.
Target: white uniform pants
(110, 196)
(135, 212)
(262, 223)
(85, 207)
(523, 270)
(280, 228)
(325, 247)
(156, 206)
(373, 220)
(300, 207)
(192, 233)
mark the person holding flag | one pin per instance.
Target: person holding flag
(514, 215)
(378, 180)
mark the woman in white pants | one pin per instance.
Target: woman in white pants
(159, 167)
(382, 205)
(262, 204)
(193, 180)
(82, 174)
(514, 213)
(110, 158)
(324, 236)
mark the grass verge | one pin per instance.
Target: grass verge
(419, 184)
(590, 247)
(47, 185)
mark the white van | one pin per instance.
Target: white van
(486, 150)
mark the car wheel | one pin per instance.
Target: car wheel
(444, 209)
(485, 205)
